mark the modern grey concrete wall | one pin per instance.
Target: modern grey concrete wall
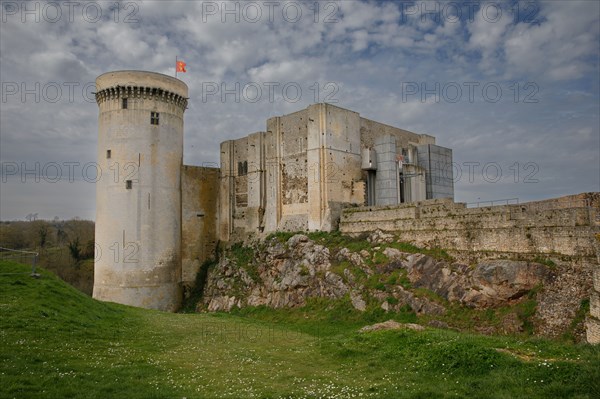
(437, 161)
(306, 167)
(386, 178)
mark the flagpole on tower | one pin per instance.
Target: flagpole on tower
(179, 66)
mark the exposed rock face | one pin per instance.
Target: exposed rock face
(286, 274)
(352, 257)
(499, 281)
(490, 283)
(379, 237)
(391, 325)
(357, 301)
(560, 300)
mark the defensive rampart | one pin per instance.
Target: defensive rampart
(562, 226)
(566, 227)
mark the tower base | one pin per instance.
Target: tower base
(165, 297)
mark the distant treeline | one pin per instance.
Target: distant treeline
(65, 247)
(41, 234)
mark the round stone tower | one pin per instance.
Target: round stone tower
(138, 195)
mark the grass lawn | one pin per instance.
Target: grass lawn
(58, 343)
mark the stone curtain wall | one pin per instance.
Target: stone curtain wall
(562, 227)
(593, 322)
(199, 189)
(566, 227)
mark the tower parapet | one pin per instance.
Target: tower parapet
(138, 196)
(116, 92)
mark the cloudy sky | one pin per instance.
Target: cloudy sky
(511, 87)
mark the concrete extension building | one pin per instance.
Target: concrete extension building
(299, 173)
(158, 220)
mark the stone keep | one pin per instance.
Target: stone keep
(138, 196)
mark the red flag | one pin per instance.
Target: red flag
(180, 66)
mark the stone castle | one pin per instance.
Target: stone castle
(158, 220)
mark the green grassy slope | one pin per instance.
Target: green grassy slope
(56, 343)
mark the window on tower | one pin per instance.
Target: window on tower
(128, 184)
(124, 103)
(242, 168)
(108, 154)
(154, 118)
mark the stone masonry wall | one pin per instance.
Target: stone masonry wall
(593, 321)
(199, 189)
(567, 227)
(537, 227)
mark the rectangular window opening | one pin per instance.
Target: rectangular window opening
(154, 118)
(108, 154)
(242, 168)
(128, 184)
(124, 103)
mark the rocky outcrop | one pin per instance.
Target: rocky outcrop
(489, 283)
(391, 325)
(560, 300)
(280, 275)
(286, 274)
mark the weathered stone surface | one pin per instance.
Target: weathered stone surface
(593, 322)
(352, 257)
(225, 303)
(511, 324)
(379, 237)
(349, 276)
(357, 301)
(564, 225)
(394, 254)
(499, 281)
(565, 229)
(561, 298)
(490, 283)
(287, 274)
(595, 305)
(391, 325)
(147, 212)
(593, 330)
(438, 324)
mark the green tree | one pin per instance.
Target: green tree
(43, 235)
(75, 251)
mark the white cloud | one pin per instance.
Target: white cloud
(559, 48)
(368, 54)
(487, 33)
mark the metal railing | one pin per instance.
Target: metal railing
(21, 257)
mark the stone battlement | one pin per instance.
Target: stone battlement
(567, 227)
(139, 84)
(561, 226)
